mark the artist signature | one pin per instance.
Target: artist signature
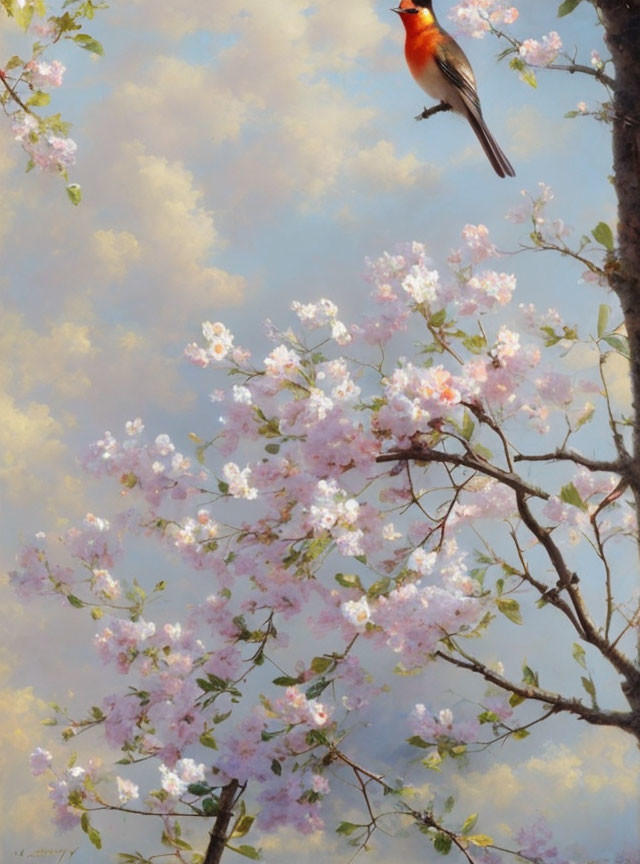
(60, 855)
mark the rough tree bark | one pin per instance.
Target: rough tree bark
(219, 837)
(621, 19)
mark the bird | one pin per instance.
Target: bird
(441, 68)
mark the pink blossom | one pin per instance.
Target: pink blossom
(42, 74)
(475, 17)
(126, 790)
(40, 761)
(541, 53)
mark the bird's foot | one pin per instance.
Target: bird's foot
(435, 109)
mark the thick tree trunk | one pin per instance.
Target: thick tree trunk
(622, 26)
(221, 826)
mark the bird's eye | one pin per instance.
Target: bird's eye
(411, 11)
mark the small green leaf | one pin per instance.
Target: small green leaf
(590, 688)
(603, 234)
(198, 789)
(210, 807)
(272, 448)
(39, 99)
(578, 654)
(95, 838)
(516, 699)
(207, 740)
(619, 344)
(349, 580)
(317, 688)
(276, 767)
(467, 426)
(417, 741)
(75, 601)
(321, 664)
(570, 495)
(442, 843)
(479, 839)
(604, 312)
(449, 804)
(438, 318)
(247, 851)
(286, 681)
(74, 193)
(567, 6)
(347, 828)
(519, 734)
(244, 824)
(89, 43)
(509, 607)
(529, 676)
(469, 823)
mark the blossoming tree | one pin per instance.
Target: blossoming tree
(336, 526)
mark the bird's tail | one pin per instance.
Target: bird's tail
(501, 164)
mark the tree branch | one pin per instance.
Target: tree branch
(219, 837)
(559, 455)
(620, 719)
(572, 68)
(420, 452)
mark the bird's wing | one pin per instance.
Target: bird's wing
(453, 63)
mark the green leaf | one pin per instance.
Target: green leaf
(438, 318)
(567, 6)
(509, 607)
(527, 75)
(317, 688)
(321, 664)
(207, 740)
(590, 688)
(604, 312)
(223, 487)
(417, 741)
(74, 193)
(75, 601)
(619, 344)
(95, 838)
(198, 789)
(349, 580)
(570, 495)
(272, 448)
(286, 681)
(529, 676)
(519, 734)
(244, 824)
(210, 807)
(276, 767)
(603, 234)
(347, 828)
(442, 843)
(578, 654)
(247, 851)
(39, 99)
(469, 823)
(467, 426)
(479, 839)
(449, 804)
(89, 43)
(516, 699)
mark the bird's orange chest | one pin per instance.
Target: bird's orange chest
(420, 47)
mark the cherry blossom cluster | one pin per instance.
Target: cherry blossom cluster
(476, 17)
(302, 511)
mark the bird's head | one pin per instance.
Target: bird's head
(415, 13)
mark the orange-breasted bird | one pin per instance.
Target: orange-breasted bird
(440, 67)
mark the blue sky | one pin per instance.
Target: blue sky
(235, 157)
